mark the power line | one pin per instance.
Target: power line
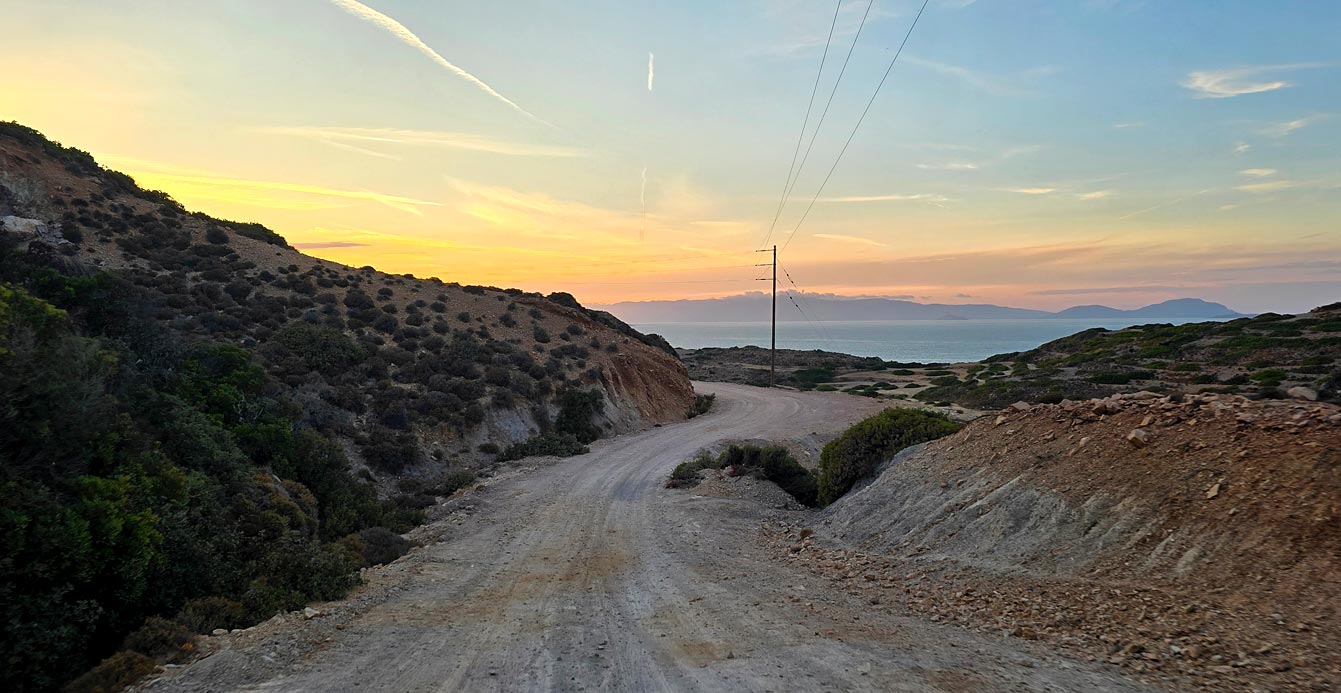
(858, 125)
(818, 323)
(787, 185)
(820, 123)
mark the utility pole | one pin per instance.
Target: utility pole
(773, 337)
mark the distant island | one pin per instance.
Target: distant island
(753, 307)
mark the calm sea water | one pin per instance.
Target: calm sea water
(927, 341)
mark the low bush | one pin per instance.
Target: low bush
(557, 444)
(770, 463)
(162, 639)
(702, 405)
(113, 674)
(855, 454)
(377, 545)
(207, 613)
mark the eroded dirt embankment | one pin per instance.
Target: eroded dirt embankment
(1199, 539)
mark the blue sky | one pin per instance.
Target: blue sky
(1031, 153)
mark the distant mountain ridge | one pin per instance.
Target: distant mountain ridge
(753, 307)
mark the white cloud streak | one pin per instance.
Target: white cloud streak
(918, 197)
(1227, 83)
(351, 138)
(850, 239)
(409, 38)
(650, 71)
(1258, 172)
(1029, 191)
(1288, 127)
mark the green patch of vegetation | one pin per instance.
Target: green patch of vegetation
(771, 463)
(141, 474)
(702, 405)
(854, 455)
(557, 444)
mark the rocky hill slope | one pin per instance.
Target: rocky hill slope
(391, 356)
(1196, 539)
(201, 426)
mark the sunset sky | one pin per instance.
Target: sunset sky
(1041, 153)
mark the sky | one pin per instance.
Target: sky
(1034, 153)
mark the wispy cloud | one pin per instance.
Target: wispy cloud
(850, 239)
(1242, 148)
(1271, 186)
(1286, 128)
(650, 71)
(951, 166)
(1124, 126)
(185, 183)
(1094, 195)
(1258, 172)
(916, 197)
(322, 245)
(978, 80)
(409, 38)
(1238, 81)
(1029, 191)
(368, 137)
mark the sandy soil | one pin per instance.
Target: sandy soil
(587, 573)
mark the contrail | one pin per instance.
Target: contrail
(650, 72)
(408, 37)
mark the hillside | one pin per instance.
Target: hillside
(199, 422)
(1269, 355)
(1194, 539)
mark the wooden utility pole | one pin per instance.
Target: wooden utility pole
(773, 336)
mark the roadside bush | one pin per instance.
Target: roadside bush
(377, 545)
(207, 613)
(855, 454)
(702, 405)
(770, 463)
(557, 444)
(163, 639)
(456, 480)
(113, 674)
(576, 409)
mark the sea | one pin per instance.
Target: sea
(923, 341)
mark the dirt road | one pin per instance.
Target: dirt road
(587, 574)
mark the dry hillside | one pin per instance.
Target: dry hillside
(1195, 539)
(411, 370)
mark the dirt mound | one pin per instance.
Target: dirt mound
(1192, 537)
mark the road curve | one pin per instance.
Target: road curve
(588, 574)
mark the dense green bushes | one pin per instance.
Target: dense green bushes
(771, 463)
(855, 454)
(141, 475)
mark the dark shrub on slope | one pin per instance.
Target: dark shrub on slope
(854, 455)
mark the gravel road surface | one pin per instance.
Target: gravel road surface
(588, 574)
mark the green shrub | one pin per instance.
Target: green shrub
(702, 405)
(770, 463)
(576, 409)
(456, 479)
(322, 349)
(207, 613)
(855, 454)
(113, 674)
(557, 444)
(686, 473)
(162, 639)
(377, 545)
